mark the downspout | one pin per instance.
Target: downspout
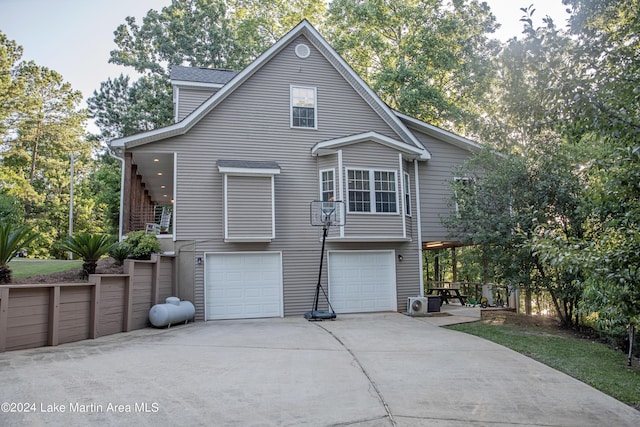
(121, 216)
(419, 223)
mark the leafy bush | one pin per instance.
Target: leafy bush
(141, 245)
(120, 252)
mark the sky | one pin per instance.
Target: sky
(74, 37)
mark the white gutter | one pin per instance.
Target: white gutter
(120, 219)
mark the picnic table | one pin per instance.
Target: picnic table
(446, 294)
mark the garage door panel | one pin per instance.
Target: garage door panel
(243, 285)
(362, 281)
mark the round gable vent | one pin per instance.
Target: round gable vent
(303, 51)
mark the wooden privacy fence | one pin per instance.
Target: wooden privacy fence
(50, 314)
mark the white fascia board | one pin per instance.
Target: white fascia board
(446, 136)
(325, 147)
(247, 171)
(186, 83)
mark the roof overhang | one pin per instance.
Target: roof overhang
(330, 146)
(185, 83)
(435, 245)
(246, 167)
(441, 134)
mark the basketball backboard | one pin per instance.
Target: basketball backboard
(326, 214)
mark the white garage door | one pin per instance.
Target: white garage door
(243, 285)
(362, 281)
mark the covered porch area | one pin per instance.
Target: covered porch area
(453, 269)
(148, 193)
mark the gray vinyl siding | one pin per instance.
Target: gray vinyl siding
(253, 123)
(249, 207)
(436, 176)
(191, 98)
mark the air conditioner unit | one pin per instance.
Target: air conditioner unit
(417, 306)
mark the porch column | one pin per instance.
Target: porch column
(454, 265)
(126, 191)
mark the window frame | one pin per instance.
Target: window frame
(373, 201)
(292, 106)
(407, 194)
(333, 184)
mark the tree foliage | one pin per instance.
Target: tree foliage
(42, 126)
(429, 59)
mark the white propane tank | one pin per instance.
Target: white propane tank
(173, 311)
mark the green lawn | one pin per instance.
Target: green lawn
(32, 267)
(591, 362)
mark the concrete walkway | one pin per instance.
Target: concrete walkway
(369, 370)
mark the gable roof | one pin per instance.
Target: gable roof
(439, 133)
(306, 29)
(188, 76)
(328, 147)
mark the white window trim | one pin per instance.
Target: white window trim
(225, 196)
(372, 191)
(407, 192)
(322, 171)
(315, 107)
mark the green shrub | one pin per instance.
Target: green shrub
(141, 245)
(120, 252)
(90, 247)
(11, 241)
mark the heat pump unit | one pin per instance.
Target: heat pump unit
(417, 306)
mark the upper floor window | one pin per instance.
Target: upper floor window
(407, 195)
(303, 107)
(327, 185)
(462, 190)
(372, 191)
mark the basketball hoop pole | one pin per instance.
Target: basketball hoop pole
(324, 237)
(325, 214)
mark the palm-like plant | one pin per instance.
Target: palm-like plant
(11, 241)
(90, 247)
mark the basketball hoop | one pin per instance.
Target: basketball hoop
(324, 214)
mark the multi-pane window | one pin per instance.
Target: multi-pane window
(328, 185)
(385, 185)
(359, 191)
(366, 186)
(303, 107)
(407, 195)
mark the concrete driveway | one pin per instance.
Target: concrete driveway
(369, 370)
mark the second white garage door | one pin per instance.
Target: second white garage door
(243, 285)
(362, 281)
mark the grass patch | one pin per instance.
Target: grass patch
(22, 268)
(590, 362)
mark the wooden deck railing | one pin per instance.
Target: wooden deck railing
(50, 314)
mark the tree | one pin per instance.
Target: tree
(122, 109)
(514, 199)
(90, 247)
(11, 241)
(604, 103)
(10, 83)
(528, 92)
(428, 59)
